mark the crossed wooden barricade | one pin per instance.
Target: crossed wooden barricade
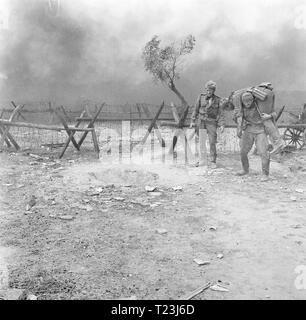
(7, 137)
(179, 124)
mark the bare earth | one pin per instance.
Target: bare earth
(96, 233)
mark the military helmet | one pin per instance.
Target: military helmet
(210, 85)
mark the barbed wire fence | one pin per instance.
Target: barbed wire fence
(108, 126)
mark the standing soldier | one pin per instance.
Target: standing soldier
(250, 129)
(209, 115)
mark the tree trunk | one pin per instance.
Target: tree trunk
(180, 96)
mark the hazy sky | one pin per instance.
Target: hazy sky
(92, 49)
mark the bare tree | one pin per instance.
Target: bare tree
(165, 63)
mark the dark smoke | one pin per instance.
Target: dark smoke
(89, 52)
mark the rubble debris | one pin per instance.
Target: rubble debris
(31, 297)
(213, 228)
(35, 156)
(293, 198)
(162, 231)
(66, 217)
(178, 188)
(31, 203)
(220, 256)
(119, 199)
(154, 205)
(217, 287)
(150, 189)
(196, 292)
(89, 208)
(299, 190)
(155, 194)
(201, 262)
(297, 226)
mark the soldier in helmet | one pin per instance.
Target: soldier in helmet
(208, 113)
(264, 101)
(250, 129)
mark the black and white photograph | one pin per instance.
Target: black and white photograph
(152, 150)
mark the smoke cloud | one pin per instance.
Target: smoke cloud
(92, 49)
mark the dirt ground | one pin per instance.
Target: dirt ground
(96, 233)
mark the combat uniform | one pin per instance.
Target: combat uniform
(265, 104)
(253, 130)
(209, 115)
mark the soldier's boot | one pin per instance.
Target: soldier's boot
(265, 169)
(245, 165)
(212, 165)
(264, 178)
(241, 173)
(213, 158)
(202, 163)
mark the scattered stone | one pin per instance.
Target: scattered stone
(67, 217)
(220, 256)
(178, 188)
(212, 228)
(297, 226)
(31, 297)
(155, 194)
(154, 205)
(299, 190)
(106, 199)
(217, 287)
(201, 262)
(31, 203)
(293, 199)
(161, 231)
(38, 158)
(119, 199)
(150, 189)
(89, 208)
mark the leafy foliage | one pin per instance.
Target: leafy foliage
(164, 62)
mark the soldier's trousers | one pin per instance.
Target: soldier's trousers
(211, 129)
(261, 142)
